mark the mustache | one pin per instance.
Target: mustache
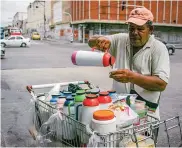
(135, 38)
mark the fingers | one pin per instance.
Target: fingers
(119, 71)
(103, 44)
(120, 78)
(92, 42)
(99, 42)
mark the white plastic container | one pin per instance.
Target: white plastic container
(90, 105)
(90, 58)
(104, 127)
(104, 122)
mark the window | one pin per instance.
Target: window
(19, 38)
(11, 38)
(36, 33)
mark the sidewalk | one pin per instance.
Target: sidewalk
(63, 41)
(178, 46)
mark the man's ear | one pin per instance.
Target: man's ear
(151, 29)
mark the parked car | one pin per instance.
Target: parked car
(170, 47)
(35, 36)
(16, 40)
(2, 52)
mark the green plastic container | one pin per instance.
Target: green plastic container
(142, 113)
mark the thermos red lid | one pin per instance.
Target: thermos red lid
(91, 100)
(103, 115)
(91, 96)
(106, 59)
(112, 61)
(103, 93)
(104, 97)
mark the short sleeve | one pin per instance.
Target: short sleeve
(160, 61)
(116, 40)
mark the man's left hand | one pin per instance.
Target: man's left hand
(122, 75)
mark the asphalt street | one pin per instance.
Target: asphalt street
(49, 62)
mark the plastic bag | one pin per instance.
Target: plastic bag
(93, 141)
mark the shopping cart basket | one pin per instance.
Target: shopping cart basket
(71, 132)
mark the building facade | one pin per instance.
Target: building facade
(108, 17)
(61, 19)
(18, 19)
(36, 21)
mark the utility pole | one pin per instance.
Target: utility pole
(44, 22)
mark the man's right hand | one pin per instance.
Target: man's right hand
(100, 43)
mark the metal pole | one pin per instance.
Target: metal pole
(44, 21)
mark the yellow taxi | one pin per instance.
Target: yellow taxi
(35, 36)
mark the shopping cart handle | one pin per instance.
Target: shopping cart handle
(29, 88)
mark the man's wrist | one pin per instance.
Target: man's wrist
(133, 76)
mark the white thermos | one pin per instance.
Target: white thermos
(91, 58)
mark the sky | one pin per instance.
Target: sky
(9, 8)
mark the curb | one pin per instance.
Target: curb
(3, 143)
(64, 41)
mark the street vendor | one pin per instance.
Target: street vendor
(142, 62)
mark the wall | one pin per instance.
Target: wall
(165, 12)
(60, 21)
(57, 12)
(35, 16)
(169, 34)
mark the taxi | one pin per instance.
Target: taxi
(35, 36)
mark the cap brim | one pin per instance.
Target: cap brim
(136, 21)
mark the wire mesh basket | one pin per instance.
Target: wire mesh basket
(64, 130)
(73, 133)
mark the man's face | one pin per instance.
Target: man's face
(139, 34)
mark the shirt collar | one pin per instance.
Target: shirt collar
(149, 42)
(147, 45)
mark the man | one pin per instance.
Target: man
(142, 62)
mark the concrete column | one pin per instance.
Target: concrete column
(79, 33)
(84, 33)
(72, 30)
(100, 29)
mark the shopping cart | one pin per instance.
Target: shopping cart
(70, 132)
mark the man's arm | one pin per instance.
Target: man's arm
(151, 83)
(160, 72)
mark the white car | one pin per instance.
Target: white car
(2, 52)
(16, 40)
